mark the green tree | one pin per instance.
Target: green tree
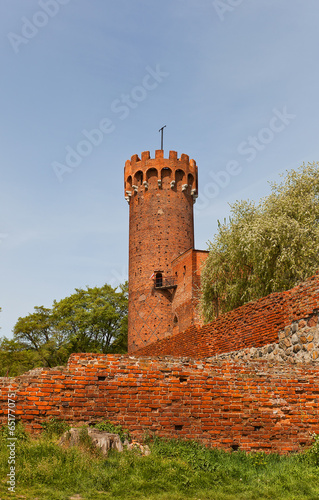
(265, 247)
(91, 320)
(15, 359)
(36, 332)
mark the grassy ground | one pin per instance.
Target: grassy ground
(175, 470)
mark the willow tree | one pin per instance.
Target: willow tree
(265, 247)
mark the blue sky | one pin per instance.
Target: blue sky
(234, 81)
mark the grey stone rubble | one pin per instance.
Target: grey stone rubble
(297, 343)
(101, 439)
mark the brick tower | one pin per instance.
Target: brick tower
(160, 193)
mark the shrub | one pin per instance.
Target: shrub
(107, 426)
(54, 427)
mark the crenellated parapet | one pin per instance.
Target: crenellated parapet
(147, 174)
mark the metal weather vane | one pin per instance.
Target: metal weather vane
(162, 133)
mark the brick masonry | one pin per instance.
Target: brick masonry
(298, 343)
(255, 405)
(160, 192)
(187, 270)
(262, 397)
(255, 324)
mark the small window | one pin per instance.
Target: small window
(159, 280)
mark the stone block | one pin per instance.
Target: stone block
(295, 339)
(312, 321)
(281, 335)
(287, 331)
(100, 439)
(310, 347)
(294, 327)
(287, 342)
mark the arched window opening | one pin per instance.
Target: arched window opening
(191, 181)
(152, 177)
(128, 185)
(166, 176)
(179, 178)
(139, 178)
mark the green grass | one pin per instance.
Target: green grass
(175, 470)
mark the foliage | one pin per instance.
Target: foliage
(20, 434)
(91, 320)
(312, 455)
(175, 470)
(54, 427)
(107, 426)
(266, 247)
(16, 359)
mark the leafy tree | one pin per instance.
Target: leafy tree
(265, 247)
(36, 332)
(15, 359)
(91, 320)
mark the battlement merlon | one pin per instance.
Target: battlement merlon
(137, 171)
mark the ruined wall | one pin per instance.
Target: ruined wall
(259, 391)
(256, 405)
(255, 324)
(297, 343)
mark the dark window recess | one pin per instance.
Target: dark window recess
(159, 280)
(101, 379)
(166, 282)
(178, 427)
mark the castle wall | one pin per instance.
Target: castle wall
(297, 343)
(255, 405)
(255, 324)
(262, 396)
(186, 269)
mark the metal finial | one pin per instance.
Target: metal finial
(162, 131)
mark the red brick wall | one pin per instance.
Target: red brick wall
(186, 269)
(254, 405)
(252, 325)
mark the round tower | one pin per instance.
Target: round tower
(160, 192)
